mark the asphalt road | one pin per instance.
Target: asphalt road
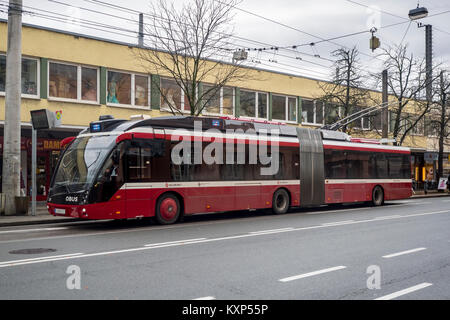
(398, 251)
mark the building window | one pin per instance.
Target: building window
(253, 104)
(141, 89)
(89, 84)
(211, 99)
(73, 82)
(119, 87)
(171, 94)
(262, 105)
(227, 100)
(128, 89)
(278, 107)
(63, 81)
(29, 79)
(248, 104)
(331, 113)
(292, 109)
(312, 112)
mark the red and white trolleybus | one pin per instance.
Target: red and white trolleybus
(118, 169)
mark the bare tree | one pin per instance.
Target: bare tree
(346, 88)
(406, 83)
(188, 45)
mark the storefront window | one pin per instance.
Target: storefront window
(141, 90)
(62, 81)
(119, 87)
(29, 80)
(170, 94)
(89, 84)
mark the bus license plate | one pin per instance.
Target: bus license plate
(60, 211)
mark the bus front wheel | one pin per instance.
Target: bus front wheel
(377, 196)
(167, 209)
(280, 201)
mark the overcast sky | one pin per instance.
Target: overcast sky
(304, 21)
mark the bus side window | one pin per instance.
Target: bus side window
(138, 164)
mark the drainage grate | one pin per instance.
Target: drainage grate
(32, 251)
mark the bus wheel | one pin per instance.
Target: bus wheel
(167, 209)
(377, 196)
(280, 201)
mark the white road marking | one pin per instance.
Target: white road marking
(36, 260)
(271, 231)
(405, 291)
(387, 217)
(33, 230)
(421, 202)
(178, 242)
(205, 298)
(337, 223)
(403, 252)
(446, 200)
(310, 274)
(204, 240)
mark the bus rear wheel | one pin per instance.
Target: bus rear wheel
(280, 201)
(168, 209)
(377, 196)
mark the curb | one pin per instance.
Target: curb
(37, 221)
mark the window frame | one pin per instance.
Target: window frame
(256, 117)
(206, 113)
(316, 124)
(286, 108)
(132, 104)
(79, 83)
(182, 97)
(38, 80)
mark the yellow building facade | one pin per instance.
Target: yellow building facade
(86, 77)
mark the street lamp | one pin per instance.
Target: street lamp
(418, 13)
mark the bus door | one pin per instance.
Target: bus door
(145, 166)
(312, 176)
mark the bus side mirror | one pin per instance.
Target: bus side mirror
(116, 156)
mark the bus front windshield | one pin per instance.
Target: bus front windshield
(80, 163)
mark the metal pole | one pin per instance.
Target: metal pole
(11, 148)
(33, 170)
(385, 111)
(141, 30)
(428, 60)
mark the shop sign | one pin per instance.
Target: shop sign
(442, 184)
(51, 145)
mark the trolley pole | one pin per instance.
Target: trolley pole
(11, 148)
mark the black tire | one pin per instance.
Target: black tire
(280, 201)
(377, 196)
(168, 209)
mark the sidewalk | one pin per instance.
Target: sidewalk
(42, 216)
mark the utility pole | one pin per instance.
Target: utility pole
(384, 111)
(141, 30)
(428, 61)
(11, 147)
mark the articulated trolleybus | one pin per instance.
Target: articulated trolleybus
(167, 167)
